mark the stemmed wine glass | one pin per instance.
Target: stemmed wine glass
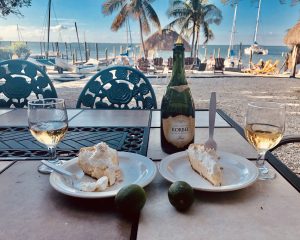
(48, 123)
(264, 127)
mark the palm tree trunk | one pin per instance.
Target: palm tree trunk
(294, 61)
(142, 38)
(193, 39)
(197, 41)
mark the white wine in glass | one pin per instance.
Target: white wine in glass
(264, 127)
(48, 123)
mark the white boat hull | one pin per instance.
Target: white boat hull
(256, 50)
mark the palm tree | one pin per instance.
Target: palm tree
(140, 10)
(13, 7)
(191, 16)
(292, 2)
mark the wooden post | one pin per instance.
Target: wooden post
(97, 52)
(44, 44)
(73, 58)
(70, 47)
(114, 52)
(41, 46)
(106, 56)
(86, 52)
(57, 49)
(219, 50)
(294, 61)
(53, 48)
(66, 48)
(75, 54)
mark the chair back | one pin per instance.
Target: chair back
(219, 63)
(20, 81)
(158, 61)
(170, 63)
(118, 87)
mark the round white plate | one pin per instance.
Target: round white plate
(238, 172)
(135, 169)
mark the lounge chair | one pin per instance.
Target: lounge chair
(219, 65)
(143, 64)
(158, 64)
(118, 87)
(22, 80)
(202, 67)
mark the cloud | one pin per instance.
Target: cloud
(36, 33)
(59, 28)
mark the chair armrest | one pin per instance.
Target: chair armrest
(286, 140)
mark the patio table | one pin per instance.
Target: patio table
(31, 209)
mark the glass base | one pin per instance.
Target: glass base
(265, 173)
(46, 170)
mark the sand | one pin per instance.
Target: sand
(233, 94)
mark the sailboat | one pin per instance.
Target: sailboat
(255, 48)
(125, 57)
(232, 60)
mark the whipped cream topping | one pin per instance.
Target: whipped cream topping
(208, 157)
(101, 156)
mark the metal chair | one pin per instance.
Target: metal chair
(21, 80)
(118, 87)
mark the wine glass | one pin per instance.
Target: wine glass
(48, 123)
(264, 127)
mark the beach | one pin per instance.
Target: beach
(233, 94)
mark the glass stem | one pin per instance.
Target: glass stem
(260, 163)
(52, 151)
(260, 160)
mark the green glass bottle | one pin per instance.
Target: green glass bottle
(177, 107)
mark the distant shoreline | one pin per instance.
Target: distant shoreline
(134, 44)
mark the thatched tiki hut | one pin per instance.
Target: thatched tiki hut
(164, 40)
(292, 38)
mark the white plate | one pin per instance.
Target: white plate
(238, 172)
(135, 169)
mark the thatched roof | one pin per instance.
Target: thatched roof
(164, 40)
(293, 35)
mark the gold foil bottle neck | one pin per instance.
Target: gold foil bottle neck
(179, 40)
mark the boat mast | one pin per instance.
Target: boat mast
(78, 42)
(233, 30)
(48, 34)
(19, 35)
(257, 21)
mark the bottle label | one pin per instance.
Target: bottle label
(180, 88)
(179, 130)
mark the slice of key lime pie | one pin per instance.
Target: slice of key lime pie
(206, 163)
(99, 161)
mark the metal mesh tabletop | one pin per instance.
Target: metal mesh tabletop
(18, 142)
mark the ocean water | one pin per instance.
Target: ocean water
(275, 52)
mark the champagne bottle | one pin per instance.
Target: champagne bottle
(177, 107)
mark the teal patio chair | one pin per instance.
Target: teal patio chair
(118, 87)
(20, 81)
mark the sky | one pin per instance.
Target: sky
(93, 26)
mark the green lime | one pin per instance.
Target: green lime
(130, 200)
(181, 195)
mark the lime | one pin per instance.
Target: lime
(130, 200)
(181, 195)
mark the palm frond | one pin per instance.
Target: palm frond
(109, 6)
(175, 22)
(120, 19)
(207, 32)
(145, 22)
(151, 14)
